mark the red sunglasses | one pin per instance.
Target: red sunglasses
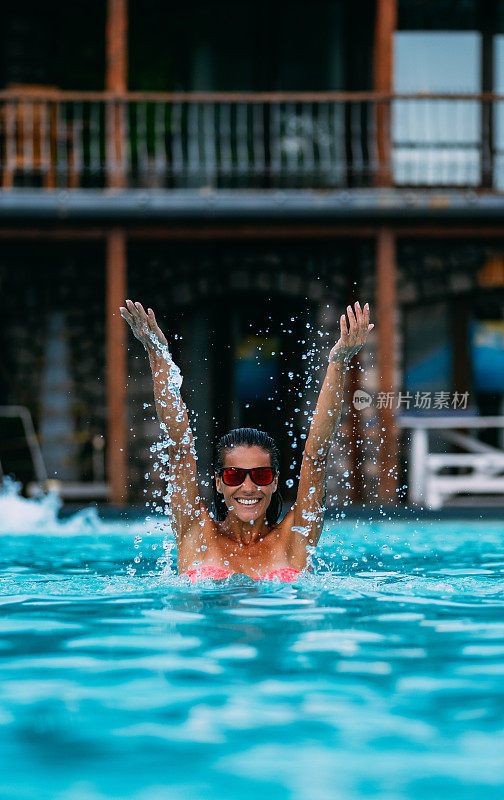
(234, 476)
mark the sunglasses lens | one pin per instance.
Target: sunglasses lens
(233, 476)
(262, 476)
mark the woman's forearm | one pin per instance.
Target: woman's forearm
(170, 407)
(166, 376)
(327, 413)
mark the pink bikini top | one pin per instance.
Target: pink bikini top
(285, 574)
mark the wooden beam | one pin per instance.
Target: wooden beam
(295, 230)
(116, 355)
(283, 231)
(56, 234)
(386, 328)
(383, 81)
(298, 230)
(273, 98)
(116, 80)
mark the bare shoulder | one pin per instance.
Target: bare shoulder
(198, 532)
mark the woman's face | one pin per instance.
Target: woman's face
(235, 497)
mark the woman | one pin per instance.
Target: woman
(245, 536)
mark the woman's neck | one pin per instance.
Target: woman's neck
(244, 533)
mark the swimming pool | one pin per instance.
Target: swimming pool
(382, 676)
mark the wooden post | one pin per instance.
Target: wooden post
(383, 80)
(116, 81)
(10, 146)
(461, 313)
(386, 303)
(488, 24)
(386, 316)
(356, 465)
(116, 366)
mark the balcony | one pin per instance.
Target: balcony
(67, 140)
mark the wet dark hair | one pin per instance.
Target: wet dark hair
(250, 437)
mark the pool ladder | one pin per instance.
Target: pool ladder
(68, 490)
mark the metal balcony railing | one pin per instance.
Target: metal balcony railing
(54, 139)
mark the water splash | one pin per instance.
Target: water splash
(174, 374)
(20, 515)
(41, 515)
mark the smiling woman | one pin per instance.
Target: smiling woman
(262, 481)
(244, 535)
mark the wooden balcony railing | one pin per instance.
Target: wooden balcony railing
(328, 140)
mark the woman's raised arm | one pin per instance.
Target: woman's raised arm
(307, 513)
(187, 508)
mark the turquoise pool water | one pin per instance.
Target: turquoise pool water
(381, 676)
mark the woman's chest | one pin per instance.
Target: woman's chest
(257, 557)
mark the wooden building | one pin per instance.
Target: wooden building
(246, 169)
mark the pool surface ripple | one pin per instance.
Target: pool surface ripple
(379, 676)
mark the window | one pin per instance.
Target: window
(437, 142)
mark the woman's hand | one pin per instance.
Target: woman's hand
(143, 325)
(353, 335)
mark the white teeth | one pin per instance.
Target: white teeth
(246, 502)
